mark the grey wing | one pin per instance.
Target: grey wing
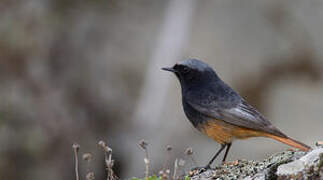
(241, 114)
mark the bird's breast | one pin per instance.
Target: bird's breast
(194, 116)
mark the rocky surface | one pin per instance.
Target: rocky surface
(284, 165)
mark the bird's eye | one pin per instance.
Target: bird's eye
(185, 70)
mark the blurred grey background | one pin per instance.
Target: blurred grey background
(84, 71)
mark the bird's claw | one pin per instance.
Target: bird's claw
(198, 170)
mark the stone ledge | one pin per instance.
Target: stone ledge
(284, 165)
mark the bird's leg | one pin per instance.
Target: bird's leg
(208, 166)
(226, 152)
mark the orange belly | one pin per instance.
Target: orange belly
(225, 133)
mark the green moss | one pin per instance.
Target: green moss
(154, 177)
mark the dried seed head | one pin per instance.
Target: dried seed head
(87, 157)
(102, 144)
(108, 149)
(105, 147)
(143, 144)
(90, 176)
(76, 146)
(169, 148)
(189, 151)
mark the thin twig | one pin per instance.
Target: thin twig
(76, 148)
(168, 149)
(143, 144)
(175, 169)
(89, 174)
(178, 164)
(189, 153)
(108, 160)
(181, 165)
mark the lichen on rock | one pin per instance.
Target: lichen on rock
(284, 165)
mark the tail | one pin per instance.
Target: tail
(290, 142)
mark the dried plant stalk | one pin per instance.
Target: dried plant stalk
(76, 148)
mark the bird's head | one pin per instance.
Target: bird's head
(192, 71)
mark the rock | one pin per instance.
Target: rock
(285, 165)
(309, 166)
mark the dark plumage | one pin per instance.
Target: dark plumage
(218, 111)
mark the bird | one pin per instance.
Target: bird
(219, 112)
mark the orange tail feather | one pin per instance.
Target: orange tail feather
(290, 142)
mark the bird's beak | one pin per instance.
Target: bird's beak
(168, 69)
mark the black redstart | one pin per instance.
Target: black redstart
(218, 111)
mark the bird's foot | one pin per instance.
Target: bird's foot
(198, 170)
